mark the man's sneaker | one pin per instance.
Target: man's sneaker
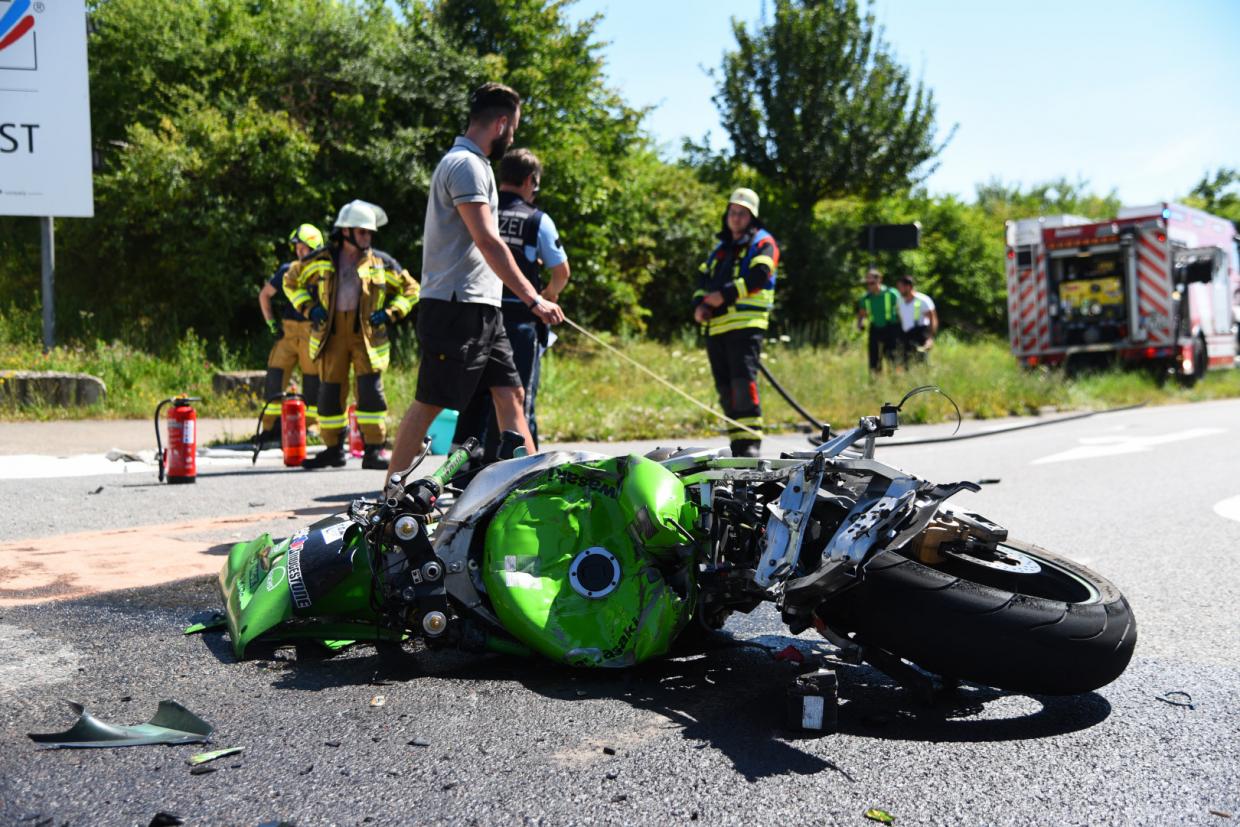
(375, 458)
(330, 457)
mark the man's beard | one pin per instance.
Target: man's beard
(500, 145)
(357, 245)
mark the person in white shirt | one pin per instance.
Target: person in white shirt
(919, 322)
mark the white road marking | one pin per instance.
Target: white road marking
(1229, 508)
(28, 661)
(39, 466)
(1110, 446)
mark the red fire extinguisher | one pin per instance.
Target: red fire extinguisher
(179, 461)
(293, 429)
(357, 445)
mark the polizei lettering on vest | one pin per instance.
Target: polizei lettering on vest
(512, 227)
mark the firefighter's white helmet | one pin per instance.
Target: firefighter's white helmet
(362, 215)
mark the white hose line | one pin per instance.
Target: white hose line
(661, 380)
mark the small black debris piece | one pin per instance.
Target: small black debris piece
(1177, 698)
(201, 769)
(616, 799)
(331, 743)
(419, 742)
(163, 819)
(609, 750)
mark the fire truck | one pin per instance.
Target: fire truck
(1158, 284)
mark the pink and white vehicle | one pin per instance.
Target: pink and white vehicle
(1157, 284)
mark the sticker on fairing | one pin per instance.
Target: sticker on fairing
(333, 533)
(514, 579)
(296, 583)
(521, 580)
(275, 578)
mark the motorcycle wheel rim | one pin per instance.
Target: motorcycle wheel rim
(1021, 572)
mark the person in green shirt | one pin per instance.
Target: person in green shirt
(880, 305)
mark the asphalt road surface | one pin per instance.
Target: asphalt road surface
(94, 595)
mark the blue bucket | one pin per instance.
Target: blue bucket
(442, 430)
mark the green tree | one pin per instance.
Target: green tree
(1005, 202)
(818, 105)
(221, 124)
(1218, 194)
(622, 212)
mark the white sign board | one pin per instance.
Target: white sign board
(45, 152)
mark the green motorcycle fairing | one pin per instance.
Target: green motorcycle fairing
(588, 563)
(313, 585)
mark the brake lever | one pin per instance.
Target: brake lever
(395, 488)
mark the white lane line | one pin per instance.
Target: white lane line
(1229, 508)
(1110, 446)
(39, 466)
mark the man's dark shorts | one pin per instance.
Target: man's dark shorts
(464, 347)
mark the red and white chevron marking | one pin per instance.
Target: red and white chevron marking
(1041, 309)
(1154, 288)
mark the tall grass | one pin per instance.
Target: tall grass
(589, 393)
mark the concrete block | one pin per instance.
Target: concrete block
(29, 387)
(238, 381)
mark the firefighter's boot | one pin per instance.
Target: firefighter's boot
(375, 458)
(746, 447)
(329, 457)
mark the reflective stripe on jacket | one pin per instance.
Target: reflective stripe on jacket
(754, 294)
(385, 286)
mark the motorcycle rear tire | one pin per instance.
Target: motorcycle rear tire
(949, 623)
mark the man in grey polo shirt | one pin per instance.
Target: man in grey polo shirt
(465, 264)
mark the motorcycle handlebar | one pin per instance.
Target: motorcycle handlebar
(455, 462)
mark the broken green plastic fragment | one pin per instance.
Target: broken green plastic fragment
(204, 757)
(217, 622)
(881, 816)
(172, 724)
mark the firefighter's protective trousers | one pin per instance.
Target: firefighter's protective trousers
(734, 358)
(347, 348)
(291, 350)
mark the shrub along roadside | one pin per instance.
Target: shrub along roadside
(590, 394)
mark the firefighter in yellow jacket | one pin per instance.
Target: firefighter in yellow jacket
(351, 293)
(292, 334)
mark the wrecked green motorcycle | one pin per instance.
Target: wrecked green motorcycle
(603, 561)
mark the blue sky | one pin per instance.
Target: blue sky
(1136, 96)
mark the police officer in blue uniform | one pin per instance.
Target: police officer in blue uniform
(535, 243)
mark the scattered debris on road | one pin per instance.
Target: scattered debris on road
(216, 621)
(1173, 698)
(172, 724)
(204, 757)
(378, 700)
(881, 816)
(163, 819)
(790, 654)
